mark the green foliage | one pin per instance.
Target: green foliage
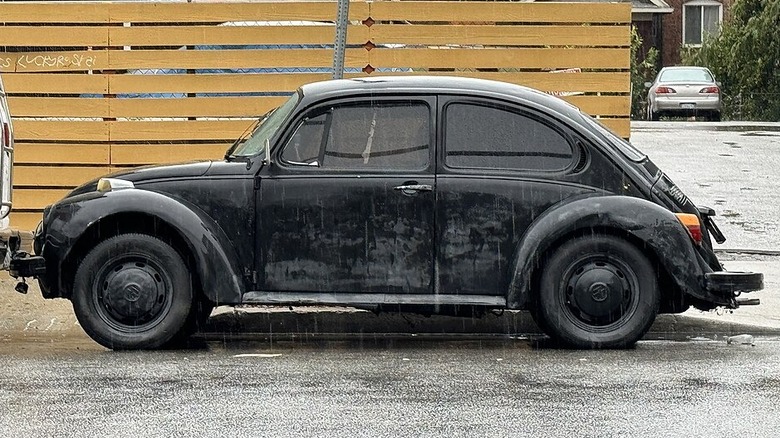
(641, 72)
(745, 59)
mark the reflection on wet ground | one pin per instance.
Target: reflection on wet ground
(391, 386)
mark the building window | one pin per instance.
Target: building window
(701, 19)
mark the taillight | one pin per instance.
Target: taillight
(709, 90)
(664, 90)
(692, 224)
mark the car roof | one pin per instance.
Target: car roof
(435, 84)
(685, 67)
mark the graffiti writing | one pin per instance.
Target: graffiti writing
(36, 61)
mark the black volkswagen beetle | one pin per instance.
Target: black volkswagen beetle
(419, 194)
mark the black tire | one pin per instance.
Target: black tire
(715, 116)
(598, 292)
(133, 291)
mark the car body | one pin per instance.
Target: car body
(6, 157)
(684, 91)
(421, 194)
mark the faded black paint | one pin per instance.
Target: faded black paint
(253, 226)
(345, 233)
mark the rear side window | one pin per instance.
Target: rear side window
(485, 137)
(374, 136)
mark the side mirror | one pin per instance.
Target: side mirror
(718, 84)
(267, 147)
(648, 84)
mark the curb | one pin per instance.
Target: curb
(269, 323)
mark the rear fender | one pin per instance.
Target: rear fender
(215, 258)
(657, 228)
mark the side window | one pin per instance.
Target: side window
(479, 136)
(379, 136)
(304, 146)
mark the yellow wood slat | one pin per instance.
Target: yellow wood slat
(178, 130)
(33, 199)
(621, 126)
(231, 35)
(230, 59)
(55, 176)
(530, 35)
(225, 11)
(601, 105)
(54, 12)
(115, 107)
(58, 107)
(25, 221)
(544, 81)
(60, 130)
(61, 83)
(53, 36)
(554, 58)
(194, 107)
(212, 83)
(57, 153)
(53, 61)
(454, 11)
(152, 154)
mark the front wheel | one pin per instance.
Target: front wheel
(133, 291)
(598, 292)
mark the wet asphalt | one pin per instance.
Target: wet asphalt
(402, 387)
(733, 167)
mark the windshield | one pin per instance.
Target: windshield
(265, 129)
(686, 75)
(626, 148)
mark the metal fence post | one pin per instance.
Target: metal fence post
(340, 45)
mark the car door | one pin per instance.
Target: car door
(500, 167)
(348, 204)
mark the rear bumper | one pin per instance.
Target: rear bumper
(687, 104)
(732, 283)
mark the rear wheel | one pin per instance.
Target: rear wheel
(715, 116)
(133, 291)
(598, 292)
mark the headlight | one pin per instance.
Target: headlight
(109, 184)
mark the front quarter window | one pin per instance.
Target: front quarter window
(265, 129)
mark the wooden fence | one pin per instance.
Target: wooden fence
(96, 86)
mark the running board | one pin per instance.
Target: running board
(353, 299)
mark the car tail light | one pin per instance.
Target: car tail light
(692, 224)
(709, 90)
(664, 90)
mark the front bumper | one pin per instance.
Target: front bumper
(24, 265)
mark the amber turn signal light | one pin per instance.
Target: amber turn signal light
(692, 224)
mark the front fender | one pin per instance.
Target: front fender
(215, 258)
(658, 228)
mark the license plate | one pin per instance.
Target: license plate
(687, 105)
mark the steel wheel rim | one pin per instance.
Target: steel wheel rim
(132, 293)
(599, 293)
